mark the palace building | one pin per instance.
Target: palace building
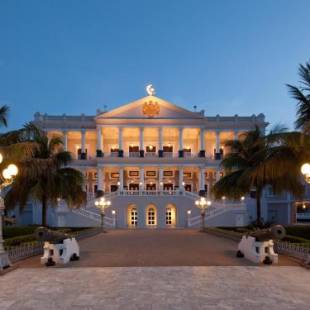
(152, 159)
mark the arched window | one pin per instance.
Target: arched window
(132, 216)
(151, 216)
(170, 215)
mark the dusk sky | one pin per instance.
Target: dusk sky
(226, 57)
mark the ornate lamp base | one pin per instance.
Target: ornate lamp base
(4, 261)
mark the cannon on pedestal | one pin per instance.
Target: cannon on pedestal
(59, 248)
(258, 245)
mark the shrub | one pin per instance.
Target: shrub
(11, 232)
(301, 231)
(15, 241)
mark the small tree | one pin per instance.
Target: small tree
(45, 176)
(256, 161)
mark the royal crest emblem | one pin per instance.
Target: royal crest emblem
(151, 108)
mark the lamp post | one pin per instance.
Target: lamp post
(305, 170)
(7, 178)
(203, 204)
(101, 203)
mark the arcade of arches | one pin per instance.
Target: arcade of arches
(150, 216)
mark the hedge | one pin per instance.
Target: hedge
(15, 241)
(11, 232)
(301, 231)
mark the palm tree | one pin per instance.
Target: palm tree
(4, 115)
(256, 161)
(45, 176)
(302, 95)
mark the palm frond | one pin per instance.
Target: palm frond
(4, 115)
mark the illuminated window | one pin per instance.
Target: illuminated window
(168, 216)
(151, 216)
(133, 217)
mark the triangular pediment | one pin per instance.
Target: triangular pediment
(150, 107)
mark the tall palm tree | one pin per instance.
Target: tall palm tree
(256, 161)
(302, 95)
(4, 115)
(45, 176)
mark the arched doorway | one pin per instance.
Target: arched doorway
(170, 215)
(151, 216)
(132, 216)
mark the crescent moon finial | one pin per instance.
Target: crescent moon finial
(150, 90)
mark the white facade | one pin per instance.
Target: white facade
(153, 159)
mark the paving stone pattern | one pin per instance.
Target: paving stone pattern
(210, 287)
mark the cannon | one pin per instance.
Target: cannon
(59, 248)
(258, 245)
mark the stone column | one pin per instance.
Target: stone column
(83, 143)
(202, 152)
(181, 151)
(218, 175)
(202, 180)
(217, 141)
(100, 179)
(141, 136)
(160, 143)
(121, 178)
(99, 142)
(181, 186)
(160, 179)
(217, 145)
(65, 140)
(120, 142)
(141, 185)
(236, 134)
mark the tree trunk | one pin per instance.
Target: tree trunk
(44, 210)
(258, 208)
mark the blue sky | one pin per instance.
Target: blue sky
(227, 57)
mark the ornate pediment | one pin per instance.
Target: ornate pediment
(150, 107)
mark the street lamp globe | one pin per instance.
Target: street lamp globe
(6, 174)
(305, 169)
(13, 170)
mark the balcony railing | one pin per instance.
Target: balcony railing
(134, 154)
(186, 155)
(303, 216)
(168, 154)
(151, 154)
(114, 154)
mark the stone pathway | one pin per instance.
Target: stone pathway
(211, 287)
(137, 248)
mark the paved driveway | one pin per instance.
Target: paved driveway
(156, 288)
(121, 248)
